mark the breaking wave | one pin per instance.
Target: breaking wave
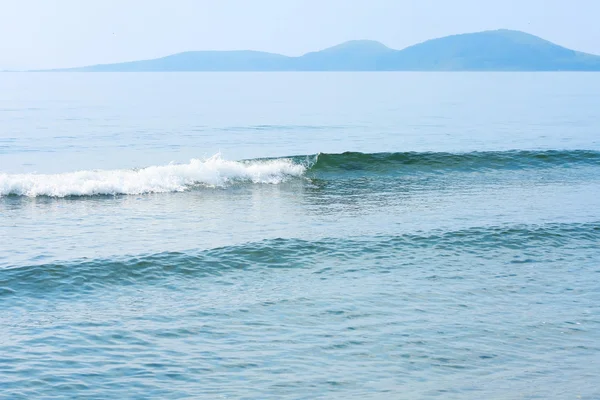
(217, 172)
(212, 172)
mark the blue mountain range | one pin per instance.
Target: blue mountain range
(499, 50)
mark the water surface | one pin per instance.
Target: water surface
(299, 235)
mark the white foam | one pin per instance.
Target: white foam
(213, 171)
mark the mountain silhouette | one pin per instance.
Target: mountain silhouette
(499, 50)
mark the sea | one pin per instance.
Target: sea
(391, 235)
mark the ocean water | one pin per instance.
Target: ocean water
(300, 235)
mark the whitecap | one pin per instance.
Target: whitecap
(214, 171)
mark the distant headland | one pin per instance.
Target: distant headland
(499, 50)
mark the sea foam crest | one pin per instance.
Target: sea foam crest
(213, 171)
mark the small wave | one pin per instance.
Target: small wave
(217, 172)
(89, 274)
(423, 161)
(213, 171)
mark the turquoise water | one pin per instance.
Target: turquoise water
(300, 235)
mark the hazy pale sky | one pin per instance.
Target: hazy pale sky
(67, 33)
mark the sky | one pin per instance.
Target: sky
(38, 34)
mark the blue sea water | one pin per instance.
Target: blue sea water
(300, 235)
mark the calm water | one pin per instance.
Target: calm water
(300, 235)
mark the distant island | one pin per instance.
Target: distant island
(499, 50)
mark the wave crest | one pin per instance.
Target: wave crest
(216, 172)
(213, 172)
(478, 160)
(89, 274)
